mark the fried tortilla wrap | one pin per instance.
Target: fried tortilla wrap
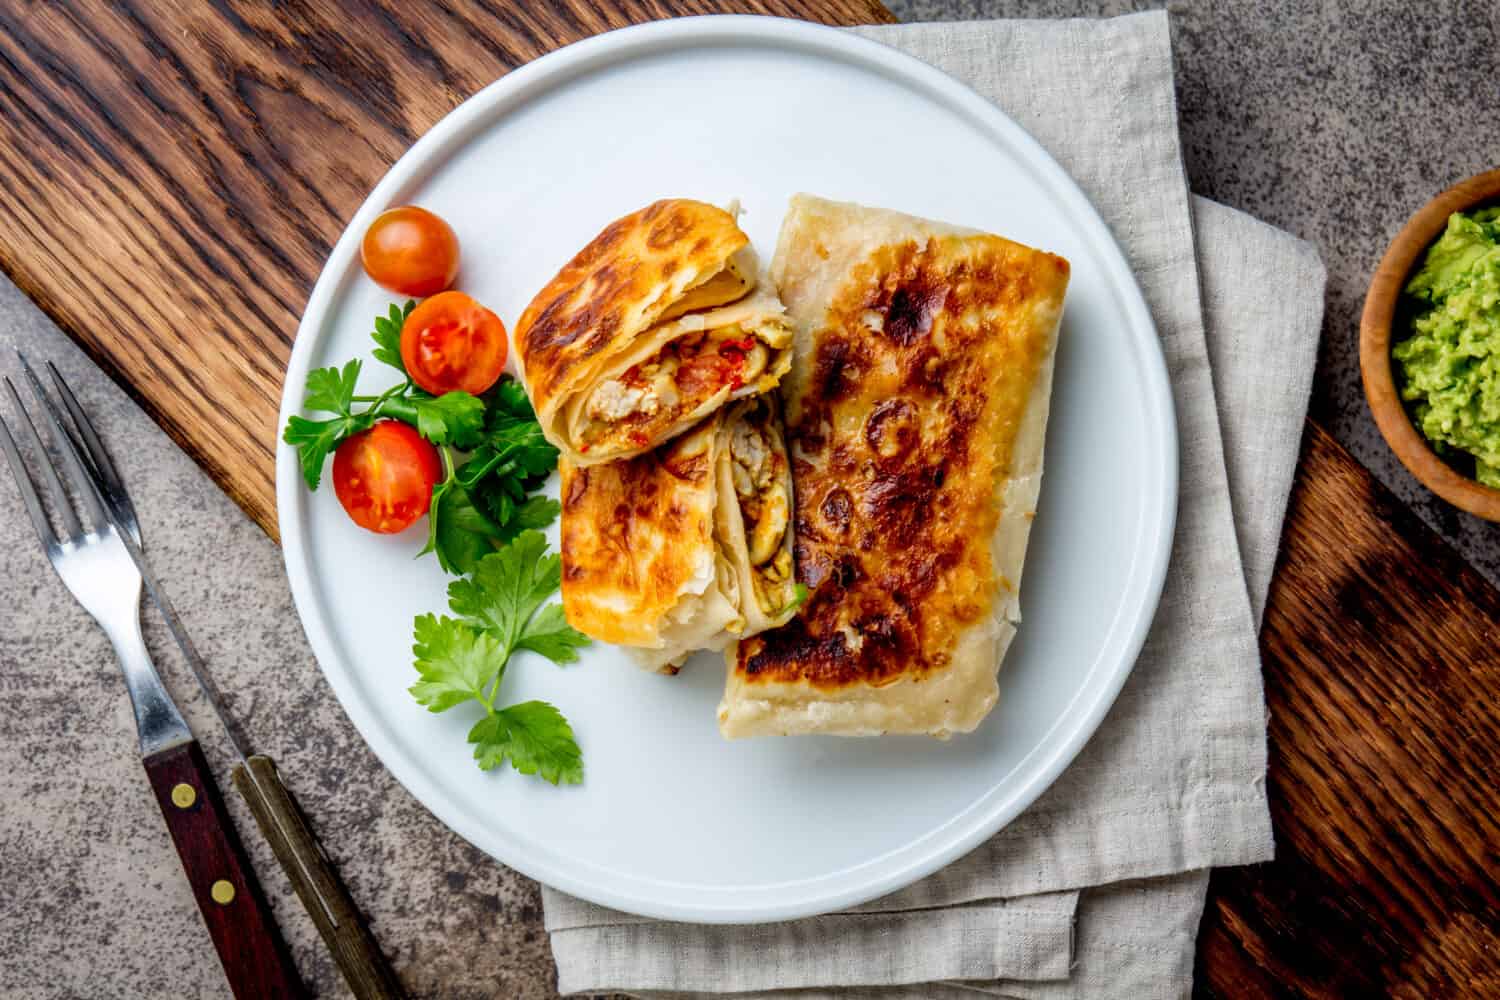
(916, 411)
(686, 547)
(653, 326)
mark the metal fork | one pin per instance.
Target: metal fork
(93, 564)
(92, 560)
(104, 475)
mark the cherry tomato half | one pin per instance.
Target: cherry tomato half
(384, 476)
(451, 342)
(410, 251)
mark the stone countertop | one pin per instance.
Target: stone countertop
(1334, 122)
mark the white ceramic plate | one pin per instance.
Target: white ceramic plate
(673, 821)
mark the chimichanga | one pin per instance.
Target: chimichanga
(686, 547)
(654, 325)
(916, 410)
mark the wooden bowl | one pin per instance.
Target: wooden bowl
(1391, 416)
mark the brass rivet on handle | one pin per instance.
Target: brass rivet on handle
(184, 795)
(222, 892)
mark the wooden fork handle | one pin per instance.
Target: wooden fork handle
(343, 926)
(251, 949)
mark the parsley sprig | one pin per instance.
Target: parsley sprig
(485, 499)
(500, 609)
(484, 526)
(485, 502)
(454, 418)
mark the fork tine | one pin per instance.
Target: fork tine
(26, 487)
(108, 477)
(93, 445)
(36, 390)
(53, 484)
(83, 482)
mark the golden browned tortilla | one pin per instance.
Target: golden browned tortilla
(657, 323)
(685, 547)
(916, 413)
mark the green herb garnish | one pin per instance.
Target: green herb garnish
(454, 418)
(799, 597)
(387, 335)
(484, 526)
(501, 609)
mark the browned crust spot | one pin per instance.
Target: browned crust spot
(616, 285)
(921, 375)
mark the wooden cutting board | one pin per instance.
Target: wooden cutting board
(1382, 664)
(172, 180)
(1381, 650)
(173, 176)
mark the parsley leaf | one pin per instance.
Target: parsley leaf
(507, 587)
(534, 737)
(457, 531)
(496, 498)
(454, 418)
(550, 635)
(314, 439)
(535, 512)
(513, 460)
(387, 335)
(456, 663)
(511, 447)
(330, 390)
(501, 608)
(487, 501)
(461, 532)
(508, 516)
(510, 399)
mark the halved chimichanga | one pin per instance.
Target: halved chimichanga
(653, 326)
(686, 547)
(916, 411)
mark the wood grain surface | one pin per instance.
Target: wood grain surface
(1382, 668)
(173, 175)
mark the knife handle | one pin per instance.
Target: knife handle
(254, 956)
(348, 937)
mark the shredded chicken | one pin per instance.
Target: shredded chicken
(613, 400)
(763, 498)
(751, 455)
(686, 372)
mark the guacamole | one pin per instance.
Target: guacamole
(1449, 365)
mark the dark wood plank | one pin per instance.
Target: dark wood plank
(172, 176)
(1382, 668)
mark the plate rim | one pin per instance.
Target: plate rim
(504, 96)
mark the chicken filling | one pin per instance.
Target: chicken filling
(759, 471)
(651, 397)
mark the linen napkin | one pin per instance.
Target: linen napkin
(1098, 888)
